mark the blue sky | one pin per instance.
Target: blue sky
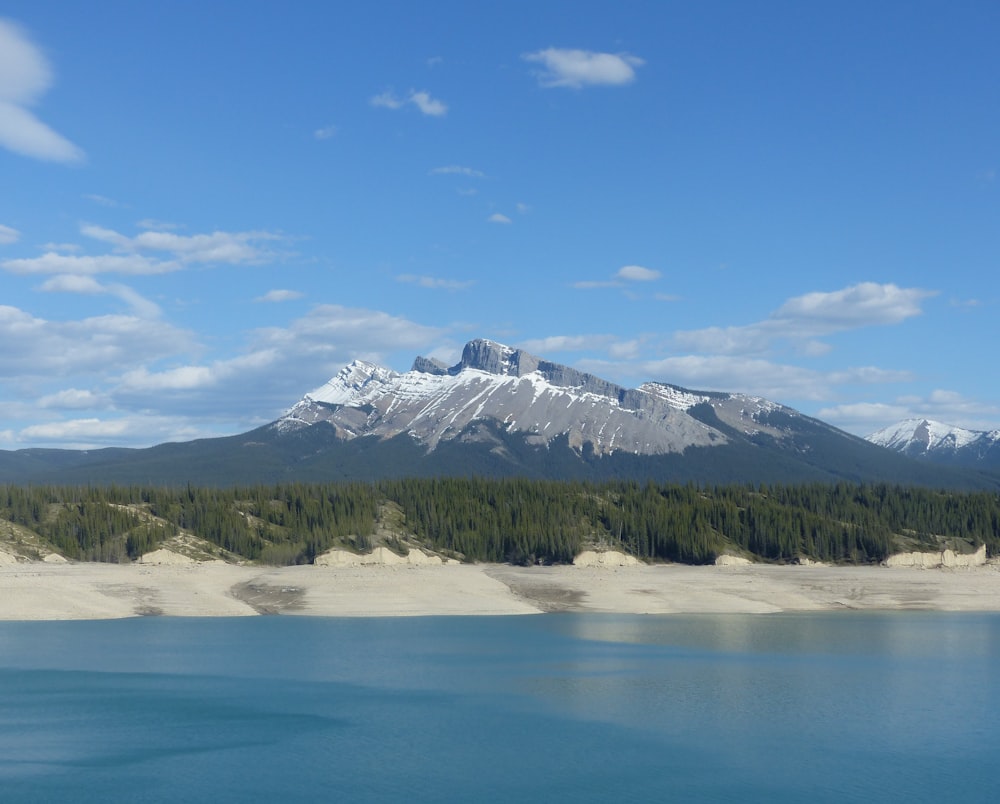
(207, 209)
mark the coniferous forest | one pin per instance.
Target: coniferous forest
(518, 521)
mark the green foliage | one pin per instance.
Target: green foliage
(516, 520)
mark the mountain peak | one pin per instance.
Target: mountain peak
(936, 441)
(496, 358)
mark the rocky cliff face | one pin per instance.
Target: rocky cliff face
(524, 394)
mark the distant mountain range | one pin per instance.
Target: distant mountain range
(943, 444)
(501, 411)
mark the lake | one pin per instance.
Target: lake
(565, 707)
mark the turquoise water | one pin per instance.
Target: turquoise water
(832, 707)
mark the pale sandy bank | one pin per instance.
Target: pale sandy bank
(47, 591)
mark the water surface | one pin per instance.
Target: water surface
(820, 707)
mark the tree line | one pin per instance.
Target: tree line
(512, 520)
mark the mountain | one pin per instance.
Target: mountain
(501, 411)
(939, 443)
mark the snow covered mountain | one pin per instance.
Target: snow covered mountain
(501, 412)
(941, 443)
(525, 395)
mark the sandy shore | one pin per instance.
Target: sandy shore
(42, 591)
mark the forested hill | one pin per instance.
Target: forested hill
(518, 521)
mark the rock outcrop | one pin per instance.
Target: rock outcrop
(945, 558)
(607, 558)
(380, 556)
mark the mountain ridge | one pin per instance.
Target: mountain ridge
(528, 395)
(501, 411)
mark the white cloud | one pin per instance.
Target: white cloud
(234, 248)
(496, 217)
(75, 430)
(457, 170)
(802, 319)
(8, 235)
(567, 343)
(95, 432)
(387, 100)
(435, 282)
(636, 273)
(592, 284)
(865, 304)
(616, 349)
(774, 381)
(348, 332)
(325, 133)
(422, 100)
(72, 399)
(25, 76)
(278, 365)
(428, 105)
(52, 263)
(87, 285)
(280, 296)
(948, 407)
(226, 247)
(564, 67)
(35, 347)
(522, 209)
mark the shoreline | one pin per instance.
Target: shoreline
(35, 591)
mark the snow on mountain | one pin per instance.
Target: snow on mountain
(523, 394)
(925, 438)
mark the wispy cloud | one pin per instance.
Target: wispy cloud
(435, 282)
(457, 170)
(497, 217)
(325, 133)
(8, 235)
(88, 286)
(53, 263)
(565, 67)
(636, 273)
(388, 100)
(279, 296)
(567, 343)
(422, 100)
(128, 257)
(159, 226)
(624, 276)
(25, 76)
(224, 247)
(101, 200)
